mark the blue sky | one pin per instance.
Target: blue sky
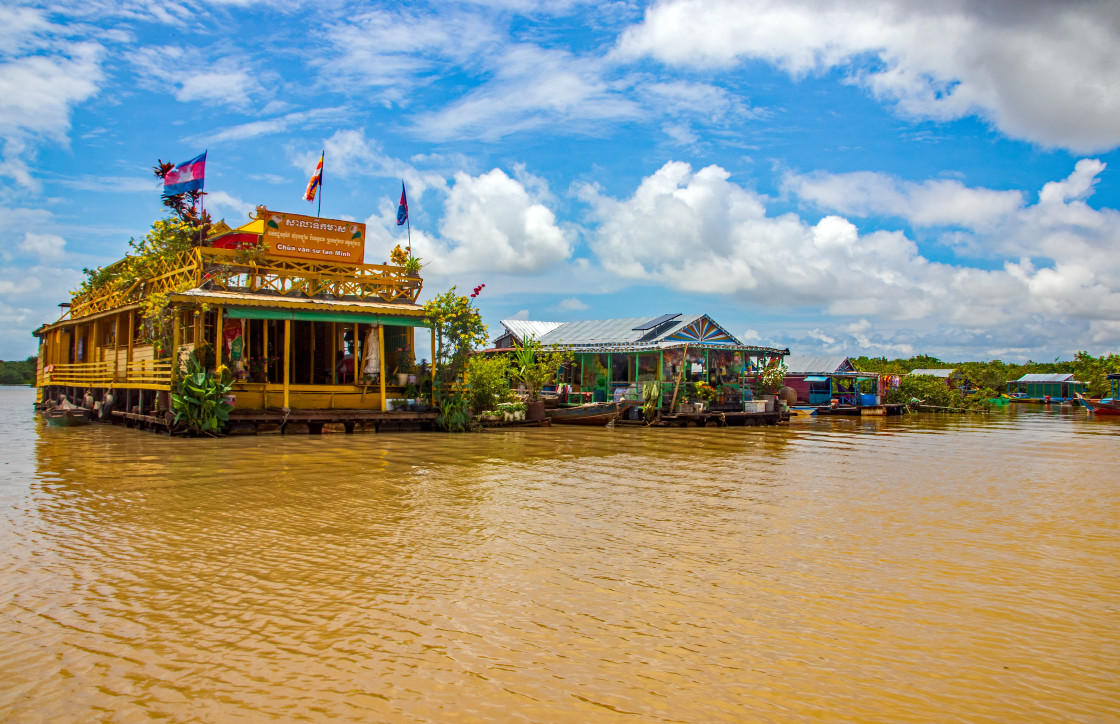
(882, 178)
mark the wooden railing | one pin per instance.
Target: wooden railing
(103, 374)
(221, 269)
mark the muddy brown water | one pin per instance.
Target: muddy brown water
(915, 569)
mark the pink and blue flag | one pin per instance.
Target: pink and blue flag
(187, 176)
(402, 210)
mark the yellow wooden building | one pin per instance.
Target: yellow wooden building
(310, 340)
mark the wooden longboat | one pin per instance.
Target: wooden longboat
(1110, 406)
(593, 413)
(66, 415)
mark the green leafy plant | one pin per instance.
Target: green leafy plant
(770, 379)
(535, 367)
(458, 330)
(706, 392)
(199, 398)
(412, 264)
(487, 381)
(651, 399)
(454, 412)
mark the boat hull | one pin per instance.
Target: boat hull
(66, 418)
(595, 413)
(1112, 407)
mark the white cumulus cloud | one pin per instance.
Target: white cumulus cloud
(1047, 72)
(494, 222)
(698, 232)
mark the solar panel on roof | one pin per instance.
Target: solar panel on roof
(655, 322)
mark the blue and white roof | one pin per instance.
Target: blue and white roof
(632, 333)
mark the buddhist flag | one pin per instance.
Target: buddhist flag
(187, 176)
(316, 180)
(402, 210)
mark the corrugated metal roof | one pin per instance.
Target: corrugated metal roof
(934, 373)
(820, 365)
(1056, 377)
(524, 328)
(613, 331)
(606, 334)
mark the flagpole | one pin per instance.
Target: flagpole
(409, 226)
(319, 213)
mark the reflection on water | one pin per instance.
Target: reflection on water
(928, 568)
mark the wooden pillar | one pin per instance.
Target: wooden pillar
(116, 345)
(174, 340)
(311, 352)
(219, 343)
(381, 347)
(264, 349)
(131, 333)
(660, 379)
(334, 353)
(287, 356)
(197, 328)
(433, 332)
(357, 354)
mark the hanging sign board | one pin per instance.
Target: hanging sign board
(309, 237)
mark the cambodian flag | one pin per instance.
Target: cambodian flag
(402, 210)
(187, 176)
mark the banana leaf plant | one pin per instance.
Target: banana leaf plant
(199, 399)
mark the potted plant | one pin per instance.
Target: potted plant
(534, 368)
(706, 394)
(769, 382)
(412, 266)
(404, 365)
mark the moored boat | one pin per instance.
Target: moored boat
(66, 415)
(593, 413)
(1106, 405)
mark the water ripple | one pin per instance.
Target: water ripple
(925, 568)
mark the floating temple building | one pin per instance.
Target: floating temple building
(311, 334)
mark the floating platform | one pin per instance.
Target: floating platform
(721, 419)
(862, 411)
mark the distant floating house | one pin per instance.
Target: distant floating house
(818, 380)
(1045, 387)
(614, 357)
(951, 377)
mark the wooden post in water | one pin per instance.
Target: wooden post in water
(381, 361)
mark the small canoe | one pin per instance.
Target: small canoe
(66, 416)
(594, 413)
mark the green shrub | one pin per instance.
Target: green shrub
(199, 398)
(487, 382)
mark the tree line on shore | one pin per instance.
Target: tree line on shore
(20, 372)
(981, 381)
